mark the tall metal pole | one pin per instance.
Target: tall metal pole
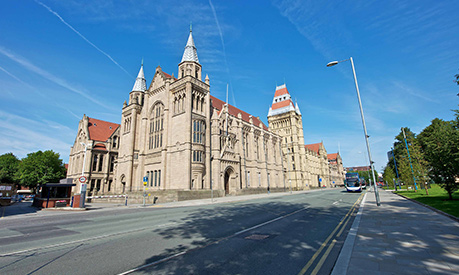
(396, 170)
(366, 135)
(409, 158)
(82, 185)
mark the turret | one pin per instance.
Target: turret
(189, 66)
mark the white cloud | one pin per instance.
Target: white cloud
(49, 76)
(22, 136)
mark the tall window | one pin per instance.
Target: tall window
(198, 131)
(115, 144)
(156, 127)
(94, 163)
(112, 163)
(101, 160)
(198, 156)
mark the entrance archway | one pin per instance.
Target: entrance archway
(229, 173)
(227, 179)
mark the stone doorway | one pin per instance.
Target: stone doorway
(227, 180)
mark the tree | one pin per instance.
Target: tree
(39, 168)
(389, 175)
(367, 175)
(440, 142)
(9, 165)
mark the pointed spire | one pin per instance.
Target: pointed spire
(190, 53)
(140, 84)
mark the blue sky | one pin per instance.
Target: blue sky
(62, 59)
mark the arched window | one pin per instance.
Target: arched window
(156, 127)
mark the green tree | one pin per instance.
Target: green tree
(389, 175)
(403, 161)
(9, 165)
(440, 142)
(39, 168)
(367, 175)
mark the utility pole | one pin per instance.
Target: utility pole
(409, 158)
(396, 170)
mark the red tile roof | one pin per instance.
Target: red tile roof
(281, 104)
(332, 156)
(314, 147)
(100, 130)
(100, 146)
(280, 92)
(218, 104)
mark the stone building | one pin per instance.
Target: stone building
(307, 166)
(189, 144)
(94, 153)
(184, 141)
(337, 172)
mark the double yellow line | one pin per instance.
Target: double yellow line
(342, 224)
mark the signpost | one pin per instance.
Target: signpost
(145, 181)
(83, 185)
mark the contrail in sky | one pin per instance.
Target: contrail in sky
(38, 92)
(61, 82)
(224, 50)
(82, 36)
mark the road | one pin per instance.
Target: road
(291, 234)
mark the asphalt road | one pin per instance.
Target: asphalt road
(291, 234)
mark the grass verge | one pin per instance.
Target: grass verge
(437, 198)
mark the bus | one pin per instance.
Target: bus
(353, 182)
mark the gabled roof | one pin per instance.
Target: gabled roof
(100, 130)
(218, 104)
(314, 147)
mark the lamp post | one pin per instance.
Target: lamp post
(333, 63)
(83, 184)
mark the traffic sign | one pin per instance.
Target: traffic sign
(83, 179)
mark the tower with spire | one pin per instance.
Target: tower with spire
(164, 129)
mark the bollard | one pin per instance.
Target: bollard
(125, 202)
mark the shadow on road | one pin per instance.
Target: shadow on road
(280, 248)
(18, 208)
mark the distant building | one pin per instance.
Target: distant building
(337, 172)
(357, 168)
(306, 165)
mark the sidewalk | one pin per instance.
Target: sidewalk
(399, 237)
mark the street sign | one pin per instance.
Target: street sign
(83, 179)
(83, 187)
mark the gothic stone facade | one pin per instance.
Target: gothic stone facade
(307, 165)
(183, 140)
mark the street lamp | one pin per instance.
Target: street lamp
(333, 63)
(83, 185)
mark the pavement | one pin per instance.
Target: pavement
(399, 237)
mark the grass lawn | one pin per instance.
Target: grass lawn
(437, 198)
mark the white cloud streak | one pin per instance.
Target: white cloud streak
(224, 50)
(83, 37)
(31, 67)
